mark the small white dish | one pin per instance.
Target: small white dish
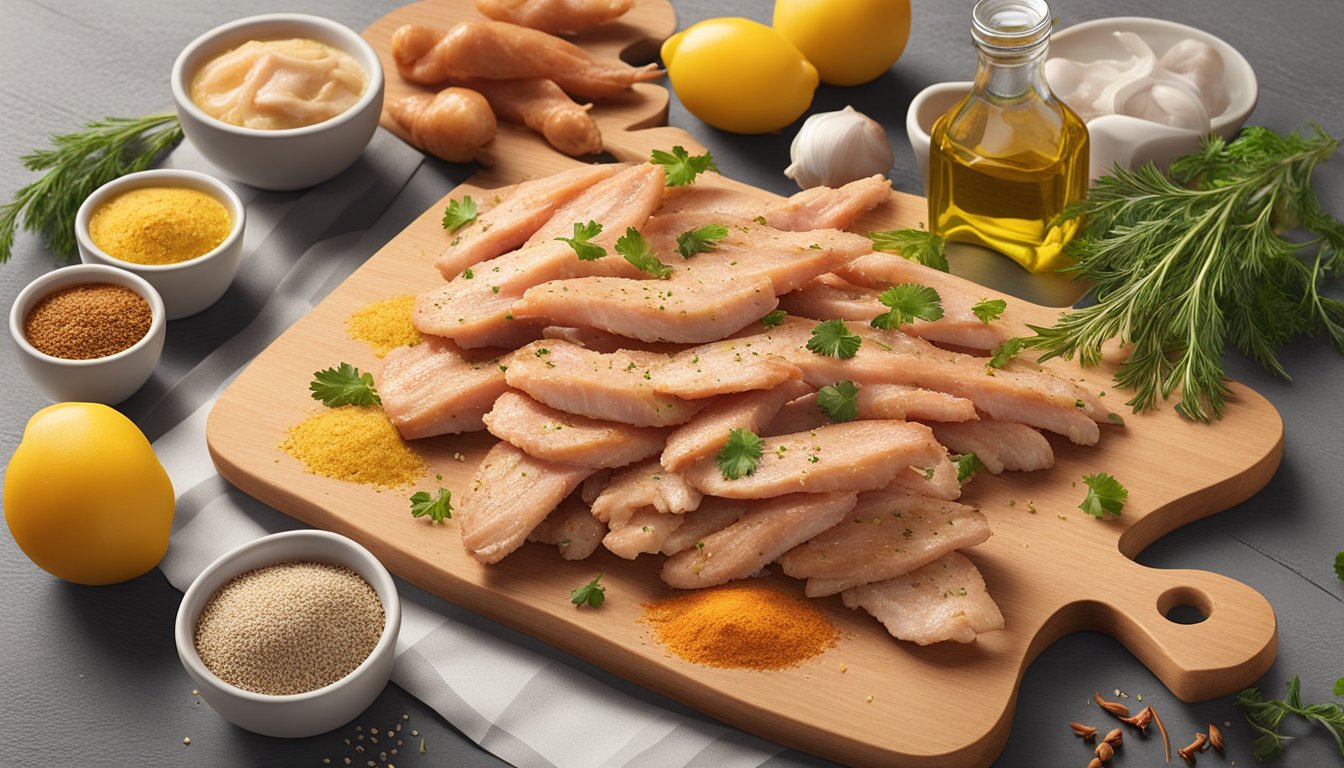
(294, 158)
(187, 287)
(1112, 139)
(108, 380)
(302, 714)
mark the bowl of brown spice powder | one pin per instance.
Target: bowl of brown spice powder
(290, 635)
(181, 231)
(88, 333)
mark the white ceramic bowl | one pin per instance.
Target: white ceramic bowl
(189, 286)
(1113, 139)
(294, 158)
(301, 714)
(107, 380)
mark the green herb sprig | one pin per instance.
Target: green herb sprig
(1105, 496)
(906, 303)
(739, 456)
(344, 385)
(459, 214)
(840, 401)
(1265, 717)
(833, 338)
(700, 240)
(636, 250)
(76, 165)
(437, 507)
(914, 244)
(582, 243)
(682, 167)
(592, 593)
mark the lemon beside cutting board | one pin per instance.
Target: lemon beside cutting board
(849, 42)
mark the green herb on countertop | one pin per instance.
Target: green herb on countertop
(700, 240)
(1339, 565)
(581, 241)
(773, 318)
(833, 339)
(636, 250)
(967, 465)
(1105, 496)
(681, 166)
(840, 401)
(591, 593)
(914, 244)
(905, 304)
(437, 507)
(1183, 271)
(739, 456)
(1266, 716)
(76, 165)
(459, 214)
(989, 310)
(344, 385)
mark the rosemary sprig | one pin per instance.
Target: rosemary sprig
(76, 165)
(1180, 271)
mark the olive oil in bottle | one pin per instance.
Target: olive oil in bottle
(1006, 159)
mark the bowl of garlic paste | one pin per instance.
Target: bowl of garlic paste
(279, 101)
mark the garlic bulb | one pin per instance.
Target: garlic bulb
(835, 148)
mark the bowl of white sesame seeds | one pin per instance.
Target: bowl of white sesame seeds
(290, 635)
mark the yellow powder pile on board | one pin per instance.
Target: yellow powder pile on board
(745, 625)
(159, 225)
(356, 444)
(384, 325)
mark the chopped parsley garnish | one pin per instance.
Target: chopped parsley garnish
(774, 317)
(437, 507)
(344, 385)
(967, 465)
(833, 339)
(681, 166)
(700, 240)
(906, 303)
(1105, 495)
(459, 214)
(840, 401)
(633, 247)
(581, 241)
(914, 244)
(1006, 351)
(468, 274)
(989, 310)
(591, 593)
(739, 456)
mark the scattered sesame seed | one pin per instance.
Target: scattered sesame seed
(405, 716)
(326, 761)
(415, 733)
(186, 740)
(347, 761)
(194, 692)
(398, 729)
(843, 667)
(390, 734)
(394, 753)
(870, 699)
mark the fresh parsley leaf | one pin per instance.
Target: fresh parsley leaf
(1339, 687)
(774, 317)
(738, 457)
(1339, 565)
(459, 214)
(636, 250)
(908, 302)
(914, 244)
(344, 385)
(705, 238)
(1105, 496)
(437, 507)
(681, 166)
(989, 310)
(967, 465)
(583, 233)
(591, 593)
(833, 339)
(1006, 351)
(840, 401)
(1265, 716)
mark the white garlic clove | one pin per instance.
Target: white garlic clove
(835, 148)
(1202, 66)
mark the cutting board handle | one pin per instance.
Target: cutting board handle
(1231, 648)
(634, 146)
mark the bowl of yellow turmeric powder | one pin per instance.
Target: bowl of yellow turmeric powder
(181, 231)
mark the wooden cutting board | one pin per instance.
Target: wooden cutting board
(870, 700)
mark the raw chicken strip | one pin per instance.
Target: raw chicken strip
(944, 600)
(709, 370)
(890, 532)
(571, 528)
(875, 401)
(645, 484)
(435, 388)
(614, 387)
(998, 445)
(555, 16)
(713, 514)
(938, 481)
(824, 207)
(495, 50)
(557, 436)
(509, 224)
(541, 105)
(626, 200)
(855, 456)
(712, 194)
(495, 517)
(707, 432)
(769, 529)
(602, 341)
(645, 532)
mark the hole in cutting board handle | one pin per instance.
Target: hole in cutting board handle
(1185, 605)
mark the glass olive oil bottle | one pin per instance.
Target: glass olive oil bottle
(1009, 156)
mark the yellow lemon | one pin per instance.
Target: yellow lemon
(851, 41)
(739, 75)
(85, 497)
